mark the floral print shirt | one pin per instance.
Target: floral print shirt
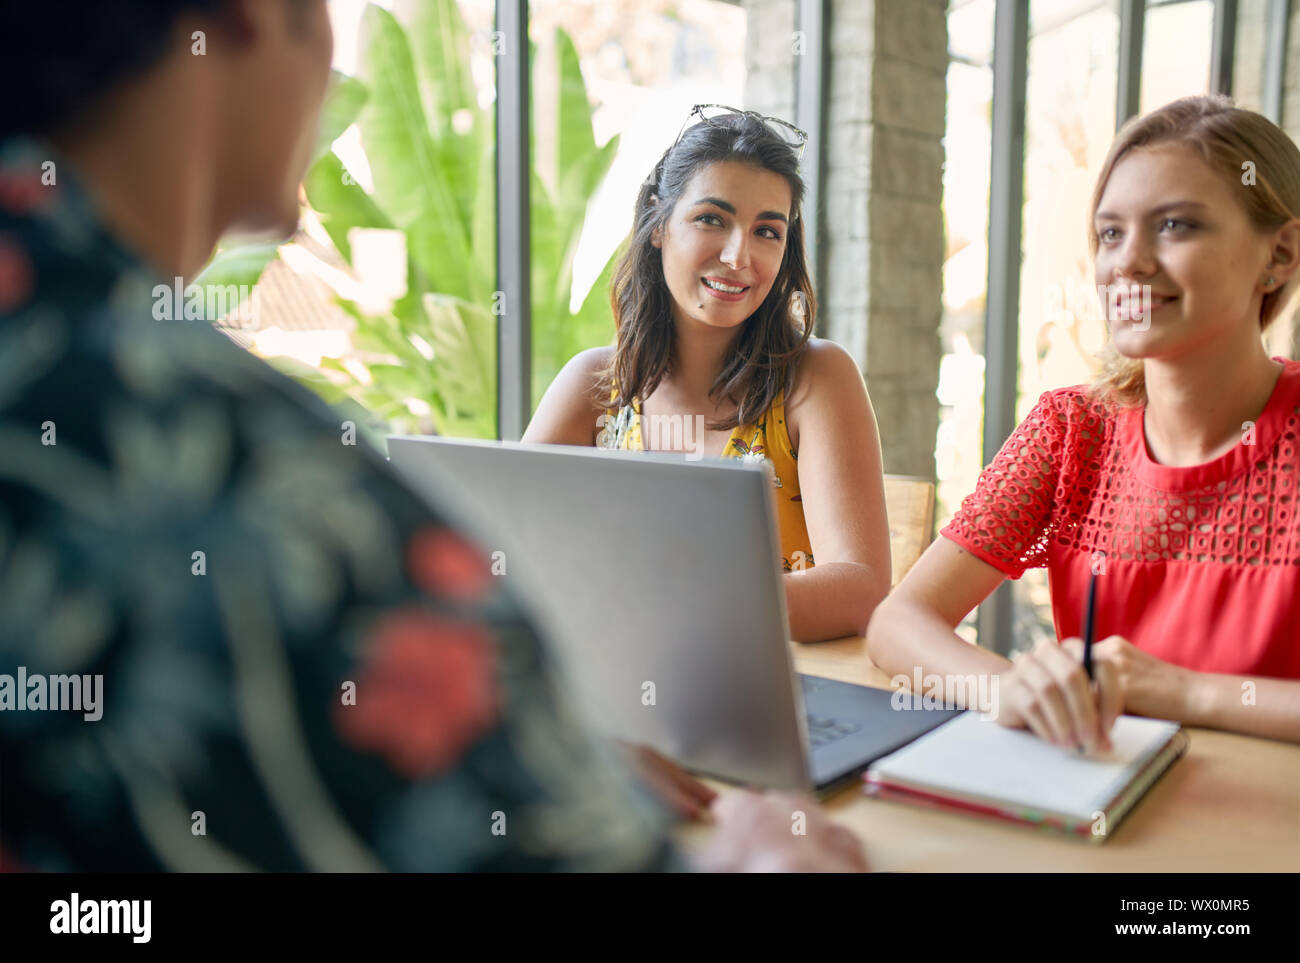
(294, 662)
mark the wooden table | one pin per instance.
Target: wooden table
(1230, 804)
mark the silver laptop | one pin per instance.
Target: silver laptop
(657, 581)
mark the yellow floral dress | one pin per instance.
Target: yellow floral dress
(766, 440)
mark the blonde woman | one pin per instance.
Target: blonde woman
(1176, 477)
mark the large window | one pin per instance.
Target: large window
(1177, 41)
(391, 295)
(383, 301)
(965, 271)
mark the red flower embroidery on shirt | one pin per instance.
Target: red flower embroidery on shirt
(21, 192)
(444, 564)
(427, 690)
(15, 276)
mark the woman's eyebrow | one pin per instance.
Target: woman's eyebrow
(1172, 205)
(730, 209)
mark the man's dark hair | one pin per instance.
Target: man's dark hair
(58, 58)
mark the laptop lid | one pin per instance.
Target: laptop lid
(657, 582)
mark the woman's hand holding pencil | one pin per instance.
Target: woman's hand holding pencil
(1048, 692)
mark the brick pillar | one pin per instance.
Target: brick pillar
(881, 193)
(903, 131)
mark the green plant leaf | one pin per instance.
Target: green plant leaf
(343, 102)
(340, 202)
(410, 185)
(574, 141)
(440, 43)
(236, 269)
(483, 231)
(593, 322)
(463, 337)
(558, 215)
(590, 326)
(546, 248)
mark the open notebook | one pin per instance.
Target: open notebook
(975, 765)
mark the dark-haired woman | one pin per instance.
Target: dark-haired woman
(713, 308)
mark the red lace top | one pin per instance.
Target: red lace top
(1197, 565)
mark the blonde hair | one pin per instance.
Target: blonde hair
(1228, 139)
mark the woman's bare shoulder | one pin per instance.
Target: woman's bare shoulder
(823, 366)
(594, 360)
(568, 411)
(581, 373)
(826, 377)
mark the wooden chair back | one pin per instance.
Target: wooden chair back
(909, 503)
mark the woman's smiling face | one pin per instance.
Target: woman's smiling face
(1168, 220)
(723, 244)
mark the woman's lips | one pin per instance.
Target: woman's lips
(724, 295)
(1140, 307)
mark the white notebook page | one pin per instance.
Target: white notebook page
(976, 757)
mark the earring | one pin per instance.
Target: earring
(1268, 282)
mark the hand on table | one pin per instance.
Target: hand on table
(1047, 691)
(778, 833)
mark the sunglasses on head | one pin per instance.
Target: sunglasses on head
(710, 114)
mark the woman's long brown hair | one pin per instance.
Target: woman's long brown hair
(762, 359)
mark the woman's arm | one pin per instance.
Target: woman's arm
(1045, 690)
(1238, 703)
(843, 499)
(913, 628)
(1256, 707)
(568, 412)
